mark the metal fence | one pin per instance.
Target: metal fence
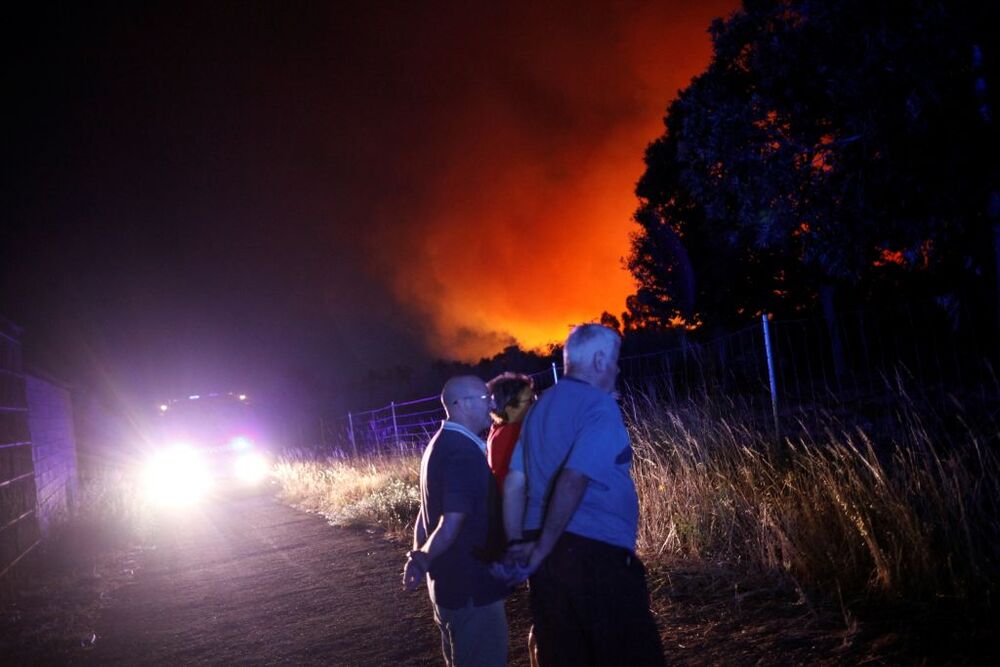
(19, 530)
(401, 427)
(775, 369)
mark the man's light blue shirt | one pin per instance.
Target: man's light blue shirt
(578, 426)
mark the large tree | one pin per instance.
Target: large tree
(827, 146)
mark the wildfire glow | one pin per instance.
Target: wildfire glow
(523, 229)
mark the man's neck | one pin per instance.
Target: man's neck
(589, 379)
(462, 423)
(576, 375)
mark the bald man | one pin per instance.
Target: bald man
(459, 531)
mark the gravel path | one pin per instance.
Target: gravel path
(251, 581)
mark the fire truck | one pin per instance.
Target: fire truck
(204, 444)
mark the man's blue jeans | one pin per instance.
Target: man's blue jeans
(473, 636)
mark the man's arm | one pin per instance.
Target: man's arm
(440, 540)
(444, 535)
(566, 497)
(419, 534)
(514, 500)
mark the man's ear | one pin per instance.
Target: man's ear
(600, 361)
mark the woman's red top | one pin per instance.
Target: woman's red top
(499, 448)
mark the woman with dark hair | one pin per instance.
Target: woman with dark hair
(513, 394)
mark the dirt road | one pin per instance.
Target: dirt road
(251, 581)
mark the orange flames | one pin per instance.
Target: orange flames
(523, 219)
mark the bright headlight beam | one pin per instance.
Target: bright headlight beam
(251, 467)
(177, 477)
(240, 443)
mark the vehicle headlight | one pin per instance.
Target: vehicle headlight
(240, 443)
(251, 467)
(177, 476)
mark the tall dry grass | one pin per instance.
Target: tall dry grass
(911, 517)
(912, 514)
(378, 491)
(112, 497)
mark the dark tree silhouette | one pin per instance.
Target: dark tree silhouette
(828, 148)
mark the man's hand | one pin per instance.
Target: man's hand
(535, 557)
(519, 553)
(414, 570)
(513, 569)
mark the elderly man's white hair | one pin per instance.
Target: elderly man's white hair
(584, 341)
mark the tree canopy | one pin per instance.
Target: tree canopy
(828, 145)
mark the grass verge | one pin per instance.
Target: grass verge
(381, 492)
(913, 518)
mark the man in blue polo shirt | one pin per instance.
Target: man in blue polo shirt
(459, 532)
(571, 515)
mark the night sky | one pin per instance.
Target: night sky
(198, 195)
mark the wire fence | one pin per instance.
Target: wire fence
(401, 427)
(775, 369)
(19, 529)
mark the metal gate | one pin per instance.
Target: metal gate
(19, 532)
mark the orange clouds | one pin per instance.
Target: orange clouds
(523, 183)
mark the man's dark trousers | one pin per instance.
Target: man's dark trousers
(590, 605)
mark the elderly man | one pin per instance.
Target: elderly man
(571, 513)
(459, 531)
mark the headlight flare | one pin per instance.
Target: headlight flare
(251, 467)
(177, 477)
(240, 443)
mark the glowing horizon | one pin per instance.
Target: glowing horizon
(520, 227)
